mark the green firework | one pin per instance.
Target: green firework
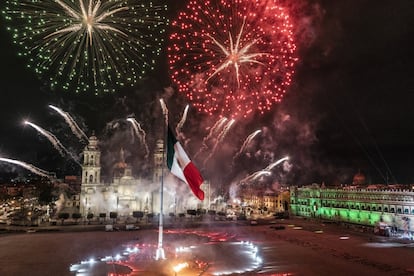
(88, 45)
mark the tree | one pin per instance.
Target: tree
(150, 216)
(89, 216)
(212, 213)
(76, 216)
(201, 212)
(103, 216)
(138, 215)
(63, 216)
(113, 216)
(192, 213)
(222, 215)
(172, 215)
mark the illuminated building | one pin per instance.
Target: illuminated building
(264, 199)
(125, 193)
(364, 206)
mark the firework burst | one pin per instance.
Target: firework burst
(88, 45)
(232, 57)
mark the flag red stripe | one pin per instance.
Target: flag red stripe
(194, 180)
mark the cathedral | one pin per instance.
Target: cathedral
(125, 194)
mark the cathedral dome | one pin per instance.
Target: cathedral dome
(359, 179)
(120, 166)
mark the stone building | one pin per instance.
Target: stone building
(368, 206)
(125, 193)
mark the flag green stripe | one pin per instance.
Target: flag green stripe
(171, 140)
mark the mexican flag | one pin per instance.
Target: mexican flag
(181, 166)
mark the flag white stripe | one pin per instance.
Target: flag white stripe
(176, 169)
(181, 155)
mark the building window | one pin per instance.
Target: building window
(385, 209)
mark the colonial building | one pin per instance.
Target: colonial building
(368, 206)
(267, 200)
(125, 193)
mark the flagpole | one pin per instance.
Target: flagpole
(160, 250)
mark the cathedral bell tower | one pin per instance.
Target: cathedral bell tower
(158, 162)
(91, 167)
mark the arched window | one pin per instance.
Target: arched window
(91, 178)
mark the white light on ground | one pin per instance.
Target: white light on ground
(179, 267)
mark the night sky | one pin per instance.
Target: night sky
(349, 108)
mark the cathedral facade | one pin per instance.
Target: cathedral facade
(124, 194)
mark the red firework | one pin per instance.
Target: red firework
(232, 57)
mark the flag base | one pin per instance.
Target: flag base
(160, 254)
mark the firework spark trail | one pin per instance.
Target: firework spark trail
(55, 142)
(71, 122)
(217, 125)
(266, 171)
(135, 127)
(220, 138)
(254, 176)
(29, 167)
(140, 133)
(52, 138)
(271, 166)
(260, 173)
(249, 177)
(246, 143)
(224, 132)
(164, 111)
(182, 121)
